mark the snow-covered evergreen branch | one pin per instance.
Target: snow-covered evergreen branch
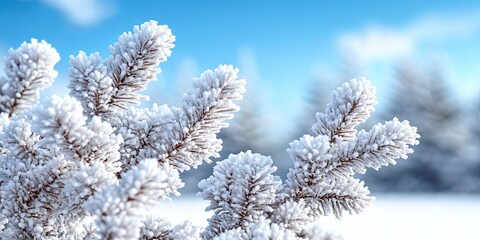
(158, 228)
(323, 171)
(93, 155)
(90, 83)
(121, 208)
(52, 166)
(321, 181)
(183, 137)
(204, 111)
(105, 86)
(141, 130)
(380, 146)
(135, 59)
(241, 190)
(351, 104)
(261, 229)
(28, 70)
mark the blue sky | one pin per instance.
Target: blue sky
(278, 45)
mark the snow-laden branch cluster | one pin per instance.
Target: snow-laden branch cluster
(203, 112)
(140, 187)
(28, 70)
(94, 159)
(351, 105)
(93, 155)
(54, 160)
(245, 195)
(104, 86)
(241, 190)
(158, 228)
(183, 137)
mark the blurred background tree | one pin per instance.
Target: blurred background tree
(421, 95)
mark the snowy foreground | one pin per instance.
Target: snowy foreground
(390, 217)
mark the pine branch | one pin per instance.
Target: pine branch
(159, 229)
(81, 183)
(29, 201)
(91, 152)
(381, 146)
(59, 163)
(262, 228)
(28, 69)
(22, 145)
(293, 215)
(311, 161)
(193, 137)
(240, 191)
(142, 130)
(90, 84)
(104, 88)
(121, 208)
(135, 61)
(316, 179)
(22, 181)
(61, 123)
(156, 228)
(335, 196)
(321, 181)
(351, 105)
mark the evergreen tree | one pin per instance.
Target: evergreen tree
(316, 98)
(476, 145)
(439, 164)
(247, 130)
(471, 176)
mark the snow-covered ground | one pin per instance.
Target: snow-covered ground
(390, 217)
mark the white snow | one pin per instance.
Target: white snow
(390, 217)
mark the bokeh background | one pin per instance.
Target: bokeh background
(423, 56)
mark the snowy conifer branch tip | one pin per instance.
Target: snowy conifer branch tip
(135, 60)
(28, 69)
(90, 83)
(321, 181)
(351, 104)
(121, 208)
(204, 111)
